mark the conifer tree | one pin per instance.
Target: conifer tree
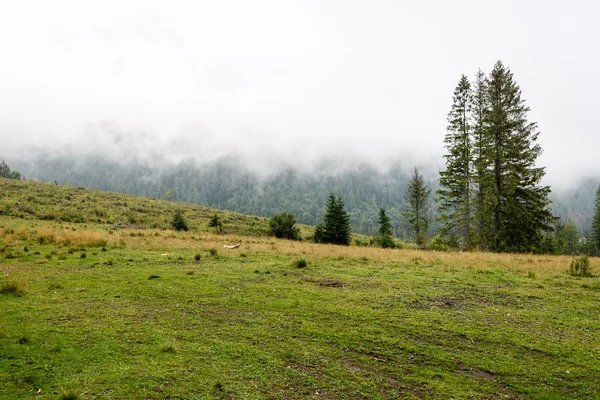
(178, 222)
(416, 215)
(596, 223)
(215, 222)
(515, 201)
(456, 179)
(480, 150)
(336, 223)
(385, 226)
(385, 230)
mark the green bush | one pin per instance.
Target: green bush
(580, 267)
(301, 263)
(283, 226)
(385, 241)
(438, 243)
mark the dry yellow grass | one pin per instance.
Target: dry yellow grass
(64, 237)
(521, 263)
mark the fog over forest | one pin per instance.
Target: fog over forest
(279, 85)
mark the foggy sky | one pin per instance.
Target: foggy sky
(289, 80)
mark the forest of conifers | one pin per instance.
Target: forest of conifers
(228, 184)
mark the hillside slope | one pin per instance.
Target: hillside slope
(44, 201)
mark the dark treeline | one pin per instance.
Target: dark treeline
(226, 184)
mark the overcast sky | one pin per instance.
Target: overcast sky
(373, 79)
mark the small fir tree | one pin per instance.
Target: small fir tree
(417, 213)
(178, 223)
(385, 230)
(215, 222)
(336, 223)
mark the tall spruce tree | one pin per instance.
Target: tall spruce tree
(336, 223)
(479, 153)
(596, 223)
(516, 203)
(417, 213)
(456, 180)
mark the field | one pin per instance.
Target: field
(99, 300)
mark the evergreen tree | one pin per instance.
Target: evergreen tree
(336, 223)
(596, 223)
(416, 215)
(385, 226)
(215, 222)
(178, 222)
(517, 205)
(480, 150)
(385, 231)
(456, 179)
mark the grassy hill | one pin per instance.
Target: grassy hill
(94, 312)
(43, 201)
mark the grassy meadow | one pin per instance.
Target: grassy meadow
(91, 309)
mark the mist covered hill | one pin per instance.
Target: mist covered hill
(227, 184)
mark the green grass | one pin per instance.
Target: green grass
(144, 317)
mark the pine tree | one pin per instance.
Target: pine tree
(456, 180)
(416, 215)
(385, 231)
(515, 201)
(336, 223)
(480, 150)
(596, 223)
(385, 226)
(178, 222)
(215, 222)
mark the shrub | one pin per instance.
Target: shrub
(580, 267)
(197, 257)
(438, 243)
(69, 396)
(178, 223)
(213, 252)
(301, 263)
(283, 226)
(385, 241)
